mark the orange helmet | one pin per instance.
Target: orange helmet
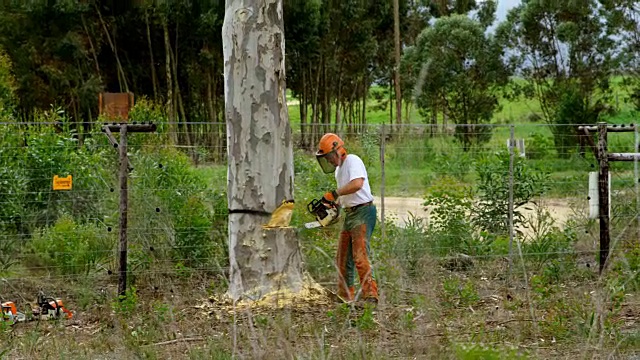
(330, 143)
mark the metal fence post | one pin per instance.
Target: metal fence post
(637, 176)
(512, 142)
(383, 137)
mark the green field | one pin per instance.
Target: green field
(450, 287)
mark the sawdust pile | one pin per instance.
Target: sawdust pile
(312, 296)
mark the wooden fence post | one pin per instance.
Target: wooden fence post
(603, 194)
(124, 194)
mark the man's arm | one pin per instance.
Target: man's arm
(351, 187)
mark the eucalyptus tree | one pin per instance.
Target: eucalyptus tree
(623, 19)
(461, 67)
(565, 50)
(260, 149)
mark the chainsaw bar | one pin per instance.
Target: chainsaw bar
(312, 225)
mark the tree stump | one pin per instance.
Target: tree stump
(263, 260)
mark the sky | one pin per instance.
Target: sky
(503, 8)
(501, 12)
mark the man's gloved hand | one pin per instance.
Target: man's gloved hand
(330, 196)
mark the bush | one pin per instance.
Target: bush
(455, 163)
(450, 230)
(28, 162)
(69, 248)
(182, 219)
(14, 179)
(410, 244)
(539, 146)
(7, 85)
(491, 213)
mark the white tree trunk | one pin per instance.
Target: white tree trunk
(260, 173)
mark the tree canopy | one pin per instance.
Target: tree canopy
(458, 66)
(63, 53)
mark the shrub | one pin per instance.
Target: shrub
(539, 146)
(7, 85)
(491, 213)
(69, 248)
(28, 162)
(184, 220)
(455, 163)
(409, 245)
(449, 229)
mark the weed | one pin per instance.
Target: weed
(366, 321)
(126, 305)
(71, 248)
(449, 225)
(459, 294)
(212, 351)
(408, 320)
(539, 146)
(479, 351)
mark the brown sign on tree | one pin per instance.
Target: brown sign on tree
(115, 106)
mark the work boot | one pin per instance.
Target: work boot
(367, 302)
(347, 297)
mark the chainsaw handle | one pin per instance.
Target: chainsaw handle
(312, 205)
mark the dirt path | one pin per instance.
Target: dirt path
(399, 209)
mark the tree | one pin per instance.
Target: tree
(565, 52)
(260, 153)
(7, 84)
(461, 68)
(623, 20)
(396, 72)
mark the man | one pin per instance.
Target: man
(354, 196)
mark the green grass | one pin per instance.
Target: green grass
(415, 161)
(517, 111)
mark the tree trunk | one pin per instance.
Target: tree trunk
(325, 109)
(303, 112)
(210, 110)
(338, 99)
(396, 70)
(180, 106)
(315, 118)
(365, 94)
(173, 133)
(390, 107)
(434, 119)
(93, 49)
(154, 77)
(260, 150)
(121, 76)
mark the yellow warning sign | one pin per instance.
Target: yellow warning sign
(62, 183)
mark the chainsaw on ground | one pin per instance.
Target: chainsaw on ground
(326, 213)
(47, 308)
(11, 314)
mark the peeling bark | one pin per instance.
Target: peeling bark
(259, 143)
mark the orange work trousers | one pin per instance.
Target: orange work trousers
(354, 252)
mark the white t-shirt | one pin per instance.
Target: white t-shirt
(353, 168)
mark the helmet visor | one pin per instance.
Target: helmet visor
(325, 164)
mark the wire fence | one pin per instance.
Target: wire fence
(483, 192)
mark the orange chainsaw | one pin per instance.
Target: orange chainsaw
(47, 308)
(10, 313)
(50, 308)
(326, 213)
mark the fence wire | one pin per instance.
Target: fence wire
(478, 191)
